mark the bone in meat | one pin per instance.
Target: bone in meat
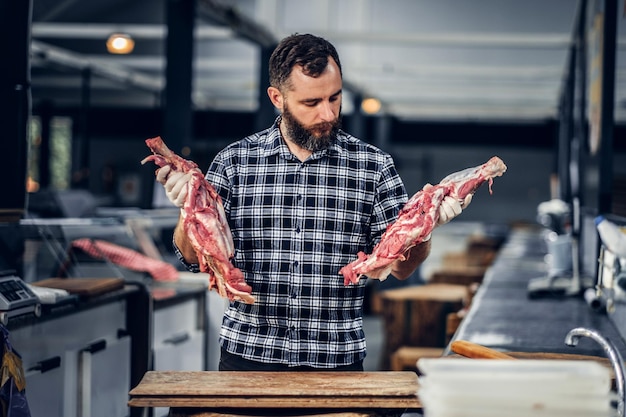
(204, 222)
(417, 219)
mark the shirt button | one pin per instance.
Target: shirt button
(296, 263)
(298, 229)
(299, 197)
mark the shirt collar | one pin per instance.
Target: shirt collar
(274, 144)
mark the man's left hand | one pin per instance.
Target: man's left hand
(451, 207)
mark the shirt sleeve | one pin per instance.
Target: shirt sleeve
(190, 267)
(218, 176)
(391, 196)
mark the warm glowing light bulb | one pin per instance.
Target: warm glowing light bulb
(119, 43)
(371, 105)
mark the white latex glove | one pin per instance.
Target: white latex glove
(175, 184)
(451, 207)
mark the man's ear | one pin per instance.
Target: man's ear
(276, 97)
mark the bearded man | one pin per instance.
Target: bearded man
(302, 198)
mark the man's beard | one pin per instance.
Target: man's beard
(314, 138)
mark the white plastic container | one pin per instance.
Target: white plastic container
(612, 236)
(452, 387)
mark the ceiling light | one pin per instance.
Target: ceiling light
(120, 43)
(371, 105)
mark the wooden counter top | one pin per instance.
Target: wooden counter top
(319, 390)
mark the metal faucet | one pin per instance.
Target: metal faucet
(614, 357)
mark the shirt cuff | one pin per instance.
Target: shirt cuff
(187, 265)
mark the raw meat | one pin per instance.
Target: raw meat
(417, 219)
(128, 258)
(204, 222)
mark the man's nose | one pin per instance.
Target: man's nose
(326, 112)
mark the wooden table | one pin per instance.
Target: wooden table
(416, 316)
(212, 393)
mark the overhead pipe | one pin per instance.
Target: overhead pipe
(117, 73)
(226, 15)
(157, 31)
(219, 14)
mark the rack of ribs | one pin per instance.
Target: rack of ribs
(417, 219)
(205, 224)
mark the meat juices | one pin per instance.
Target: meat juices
(205, 224)
(417, 219)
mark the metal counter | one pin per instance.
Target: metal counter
(503, 317)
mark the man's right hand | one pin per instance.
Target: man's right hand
(175, 184)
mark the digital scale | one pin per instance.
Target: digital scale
(16, 299)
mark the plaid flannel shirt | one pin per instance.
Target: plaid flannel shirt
(295, 224)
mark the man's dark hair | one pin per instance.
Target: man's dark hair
(309, 51)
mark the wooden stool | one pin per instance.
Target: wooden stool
(453, 321)
(480, 256)
(405, 358)
(460, 268)
(483, 242)
(461, 275)
(416, 316)
(469, 257)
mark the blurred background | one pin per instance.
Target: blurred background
(452, 83)
(440, 85)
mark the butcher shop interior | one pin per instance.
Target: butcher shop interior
(512, 111)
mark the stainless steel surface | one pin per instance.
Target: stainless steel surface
(617, 362)
(502, 316)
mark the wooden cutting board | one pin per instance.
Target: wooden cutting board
(464, 348)
(386, 389)
(562, 356)
(87, 287)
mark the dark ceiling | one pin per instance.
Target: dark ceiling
(483, 60)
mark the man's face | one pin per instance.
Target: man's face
(313, 138)
(311, 108)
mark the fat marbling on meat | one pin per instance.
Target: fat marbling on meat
(205, 224)
(417, 219)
